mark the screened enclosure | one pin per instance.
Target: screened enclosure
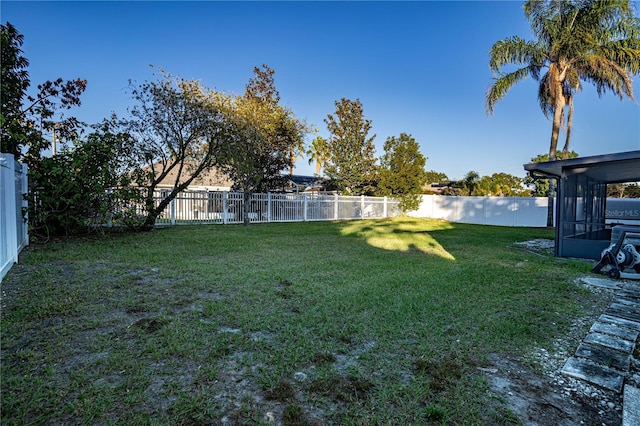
(582, 229)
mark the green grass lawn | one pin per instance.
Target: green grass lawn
(364, 322)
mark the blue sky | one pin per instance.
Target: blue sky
(417, 67)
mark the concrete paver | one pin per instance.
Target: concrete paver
(610, 341)
(631, 406)
(629, 292)
(594, 373)
(605, 356)
(601, 282)
(623, 313)
(627, 307)
(620, 321)
(615, 330)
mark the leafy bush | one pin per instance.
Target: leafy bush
(82, 188)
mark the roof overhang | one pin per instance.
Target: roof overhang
(607, 168)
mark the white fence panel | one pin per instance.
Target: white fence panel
(321, 207)
(13, 228)
(499, 211)
(348, 207)
(286, 208)
(191, 207)
(445, 208)
(532, 211)
(471, 210)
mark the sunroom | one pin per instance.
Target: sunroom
(583, 228)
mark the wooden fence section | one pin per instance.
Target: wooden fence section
(192, 207)
(13, 226)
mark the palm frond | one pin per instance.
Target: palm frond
(515, 50)
(501, 86)
(606, 75)
(544, 97)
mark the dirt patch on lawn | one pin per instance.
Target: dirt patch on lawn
(550, 398)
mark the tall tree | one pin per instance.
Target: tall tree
(351, 162)
(318, 152)
(436, 177)
(179, 127)
(466, 186)
(29, 124)
(632, 190)
(501, 185)
(402, 172)
(541, 186)
(265, 139)
(13, 89)
(615, 190)
(262, 89)
(577, 40)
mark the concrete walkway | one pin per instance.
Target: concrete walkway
(604, 356)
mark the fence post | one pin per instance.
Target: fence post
(225, 206)
(172, 207)
(304, 207)
(362, 207)
(385, 210)
(335, 207)
(24, 203)
(268, 207)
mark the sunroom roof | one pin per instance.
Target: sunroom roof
(606, 168)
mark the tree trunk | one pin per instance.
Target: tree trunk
(551, 201)
(246, 207)
(565, 149)
(553, 146)
(151, 212)
(150, 221)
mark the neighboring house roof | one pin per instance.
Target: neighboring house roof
(307, 183)
(211, 180)
(435, 188)
(306, 180)
(214, 180)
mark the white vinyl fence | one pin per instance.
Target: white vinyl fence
(195, 207)
(501, 211)
(13, 227)
(192, 207)
(513, 211)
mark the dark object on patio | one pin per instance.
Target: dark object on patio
(622, 257)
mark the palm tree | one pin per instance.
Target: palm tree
(296, 151)
(577, 40)
(570, 87)
(318, 152)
